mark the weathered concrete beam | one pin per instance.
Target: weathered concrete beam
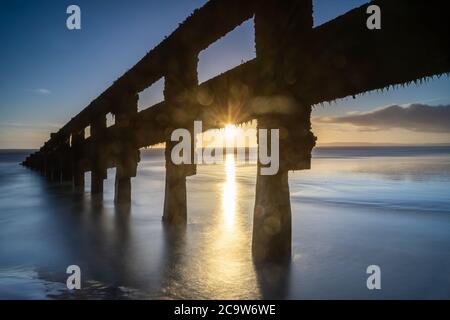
(344, 58)
(216, 102)
(220, 16)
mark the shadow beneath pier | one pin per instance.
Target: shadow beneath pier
(74, 228)
(273, 279)
(174, 243)
(97, 201)
(122, 210)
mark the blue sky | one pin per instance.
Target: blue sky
(48, 73)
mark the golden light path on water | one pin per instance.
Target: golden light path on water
(229, 191)
(216, 261)
(228, 257)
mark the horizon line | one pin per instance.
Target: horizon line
(327, 144)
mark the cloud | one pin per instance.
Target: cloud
(42, 91)
(416, 117)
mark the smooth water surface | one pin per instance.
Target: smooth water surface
(356, 207)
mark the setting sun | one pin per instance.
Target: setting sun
(230, 131)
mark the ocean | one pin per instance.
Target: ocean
(356, 207)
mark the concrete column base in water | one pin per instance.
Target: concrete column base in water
(122, 194)
(78, 178)
(97, 177)
(272, 229)
(175, 198)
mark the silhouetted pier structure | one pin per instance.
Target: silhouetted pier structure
(296, 66)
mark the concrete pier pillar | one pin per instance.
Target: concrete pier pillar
(77, 156)
(272, 230)
(47, 170)
(56, 175)
(97, 177)
(277, 24)
(55, 167)
(78, 178)
(122, 188)
(272, 235)
(98, 170)
(180, 83)
(128, 153)
(66, 163)
(175, 197)
(49, 173)
(66, 175)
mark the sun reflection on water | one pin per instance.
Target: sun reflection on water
(227, 266)
(229, 191)
(217, 263)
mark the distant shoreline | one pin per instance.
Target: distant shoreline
(325, 145)
(356, 144)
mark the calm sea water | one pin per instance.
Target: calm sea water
(356, 207)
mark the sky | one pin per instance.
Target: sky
(49, 73)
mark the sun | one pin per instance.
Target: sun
(230, 131)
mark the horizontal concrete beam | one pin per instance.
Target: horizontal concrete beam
(345, 58)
